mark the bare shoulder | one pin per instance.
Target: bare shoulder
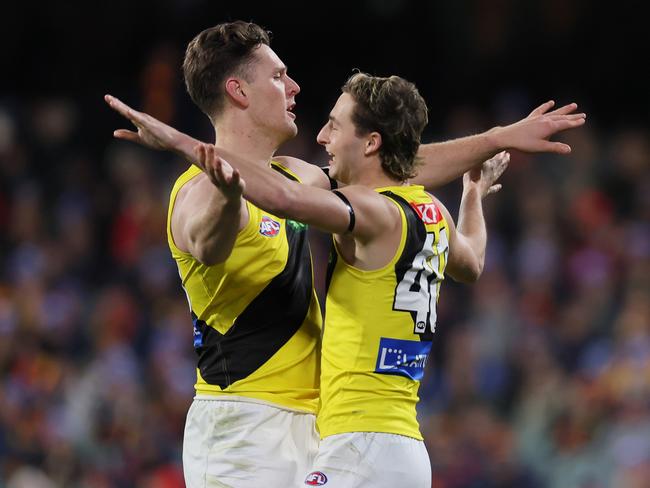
(308, 173)
(375, 212)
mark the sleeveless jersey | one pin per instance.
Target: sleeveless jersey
(379, 326)
(257, 321)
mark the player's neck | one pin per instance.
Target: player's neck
(247, 143)
(373, 177)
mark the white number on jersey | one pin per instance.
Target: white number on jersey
(422, 302)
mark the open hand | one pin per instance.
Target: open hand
(485, 176)
(532, 133)
(151, 132)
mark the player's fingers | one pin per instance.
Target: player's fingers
(127, 135)
(556, 147)
(235, 178)
(564, 110)
(199, 150)
(543, 108)
(579, 116)
(123, 109)
(563, 124)
(118, 105)
(220, 170)
(494, 189)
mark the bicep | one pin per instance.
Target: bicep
(331, 213)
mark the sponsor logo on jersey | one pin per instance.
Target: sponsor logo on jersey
(198, 335)
(295, 225)
(428, 212)
(316, 478)
(269, 227)
(402, 358)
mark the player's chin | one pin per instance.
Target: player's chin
(291, 130)
(287, 133)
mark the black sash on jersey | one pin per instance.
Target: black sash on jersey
(266, 324)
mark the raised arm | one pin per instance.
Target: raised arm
(446, 161)
(467, 242)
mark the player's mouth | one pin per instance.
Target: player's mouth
(331, 157)
(290, 111)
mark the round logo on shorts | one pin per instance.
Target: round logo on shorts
(316, 478)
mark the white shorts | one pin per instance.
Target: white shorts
(370, 460)
(241, 444)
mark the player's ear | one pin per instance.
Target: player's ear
(236, 91)
(373, 143)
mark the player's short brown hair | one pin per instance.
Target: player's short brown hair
(215, 54)
(394, 108)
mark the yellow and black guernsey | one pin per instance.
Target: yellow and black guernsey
(257, 322)
(379, 326)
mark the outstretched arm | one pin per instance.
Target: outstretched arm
(152, 133)
(267, 189)
(264, 187)
(446, 161)
(467, 242)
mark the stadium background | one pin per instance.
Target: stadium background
(541, 371)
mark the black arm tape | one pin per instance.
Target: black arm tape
(350, 209)
(333, 183)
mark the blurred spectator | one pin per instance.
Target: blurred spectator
(540, 375)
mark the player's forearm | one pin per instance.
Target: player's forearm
(291, 200)
(471, 224)
(270, 191)
(443, 162)
(212, 232)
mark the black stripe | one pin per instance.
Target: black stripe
(283, 171)
(347, 203)
(416, 234)
(266, 324)
(333, 183)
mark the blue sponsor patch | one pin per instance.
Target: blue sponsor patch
(198, 335)
(402, 358)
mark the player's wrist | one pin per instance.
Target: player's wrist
(495, 140)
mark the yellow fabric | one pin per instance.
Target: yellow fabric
(360, 314)
(219, 294)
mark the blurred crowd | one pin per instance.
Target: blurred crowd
(540, 375)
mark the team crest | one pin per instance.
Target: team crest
(428, 212)
(316, 478)
(269, 227)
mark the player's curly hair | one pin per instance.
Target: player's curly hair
(215, 54)
(394, 108)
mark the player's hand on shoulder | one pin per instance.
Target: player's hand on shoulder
(483, 178)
